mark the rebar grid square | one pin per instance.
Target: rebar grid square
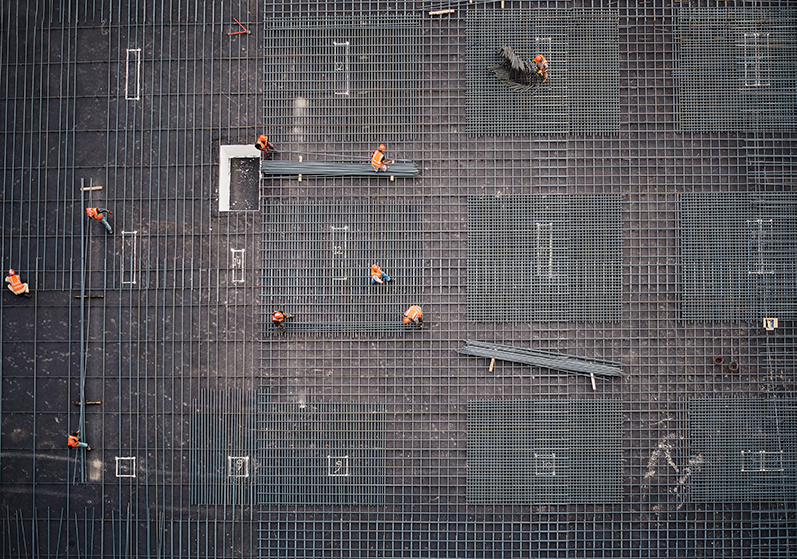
(739, 256)
(565, 451)
(747, 449)
(734, 68)
(582, 90)
(342, 79)
(544, 257)
(323, 453)
(317, 256)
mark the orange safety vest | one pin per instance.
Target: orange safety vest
(376, 159)
(16, 284)
(73, 441)
(277, 317)
(262, 142)
(93, 213)
(542, 64)
(413, 313)
(376, 273)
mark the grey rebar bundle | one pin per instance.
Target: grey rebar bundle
(544, 359)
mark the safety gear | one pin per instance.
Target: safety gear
(73, 441)
(97, 213)
(262, 142)
(377, 160)
(15, 284)
(413, 314)
(382, 147)
(278, 316)
(376, 274)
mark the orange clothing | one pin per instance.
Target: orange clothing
(73, 441)
(377, 160)
(94, 213)
(414, 313)
(263, 143)
(541, 62)
(376, 274)
(15, 285)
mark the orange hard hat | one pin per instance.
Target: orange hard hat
(277, 314)
(406, 320)
(11, 272)
(382, 147)
(374, 267)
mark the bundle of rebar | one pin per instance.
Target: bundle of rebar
(544, 359)
(277, 169)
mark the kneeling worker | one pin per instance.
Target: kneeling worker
(414, 315)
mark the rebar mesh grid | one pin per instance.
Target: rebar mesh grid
(582, 92)
(739, 268)
(733, 70)
(137, 97)
(547, 452)
(544, 257)
(743, 449)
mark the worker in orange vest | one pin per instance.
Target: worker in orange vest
(378, 275)
(414, 315)
(98, 214)
(378, 159)
(542, 67)
(264, 145)
(74, 441)
(278, 317)
(15, 284)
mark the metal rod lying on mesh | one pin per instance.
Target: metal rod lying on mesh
(536, 358)
(275, 169)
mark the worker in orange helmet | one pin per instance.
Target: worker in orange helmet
(542, 67)
(264, 145)
(98, 214)
(414, 315)
(278, 317)
(378, 159)
(15, 284)
(378, 275)
(74, 441)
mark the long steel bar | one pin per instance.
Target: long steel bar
(281, 169)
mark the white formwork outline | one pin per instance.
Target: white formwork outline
(762, 461)
(128, 463)
(545, 250)
(340, 237)
(341, 83)
(756, 59)
(237, 264)
(237, 466)
(338, 466)
(128, 266)
(133, 70)
(226, 153)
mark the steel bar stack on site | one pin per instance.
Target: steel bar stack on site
(436, 279)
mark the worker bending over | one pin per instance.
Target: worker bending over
(414, 315)
(15, 284)
(98, 214)
(279, 317)
(264, 145)
(378, 275)
(74, 441)
(542, 67)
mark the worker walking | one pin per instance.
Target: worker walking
(378, 275)
(264, 145)
(278, 317)
(542, 67)
(414, 315)
(99, 215)
(378, 159)
(75, 442)
(15, 284)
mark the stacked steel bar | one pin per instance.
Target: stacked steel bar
(545, 359)
(275, 169)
